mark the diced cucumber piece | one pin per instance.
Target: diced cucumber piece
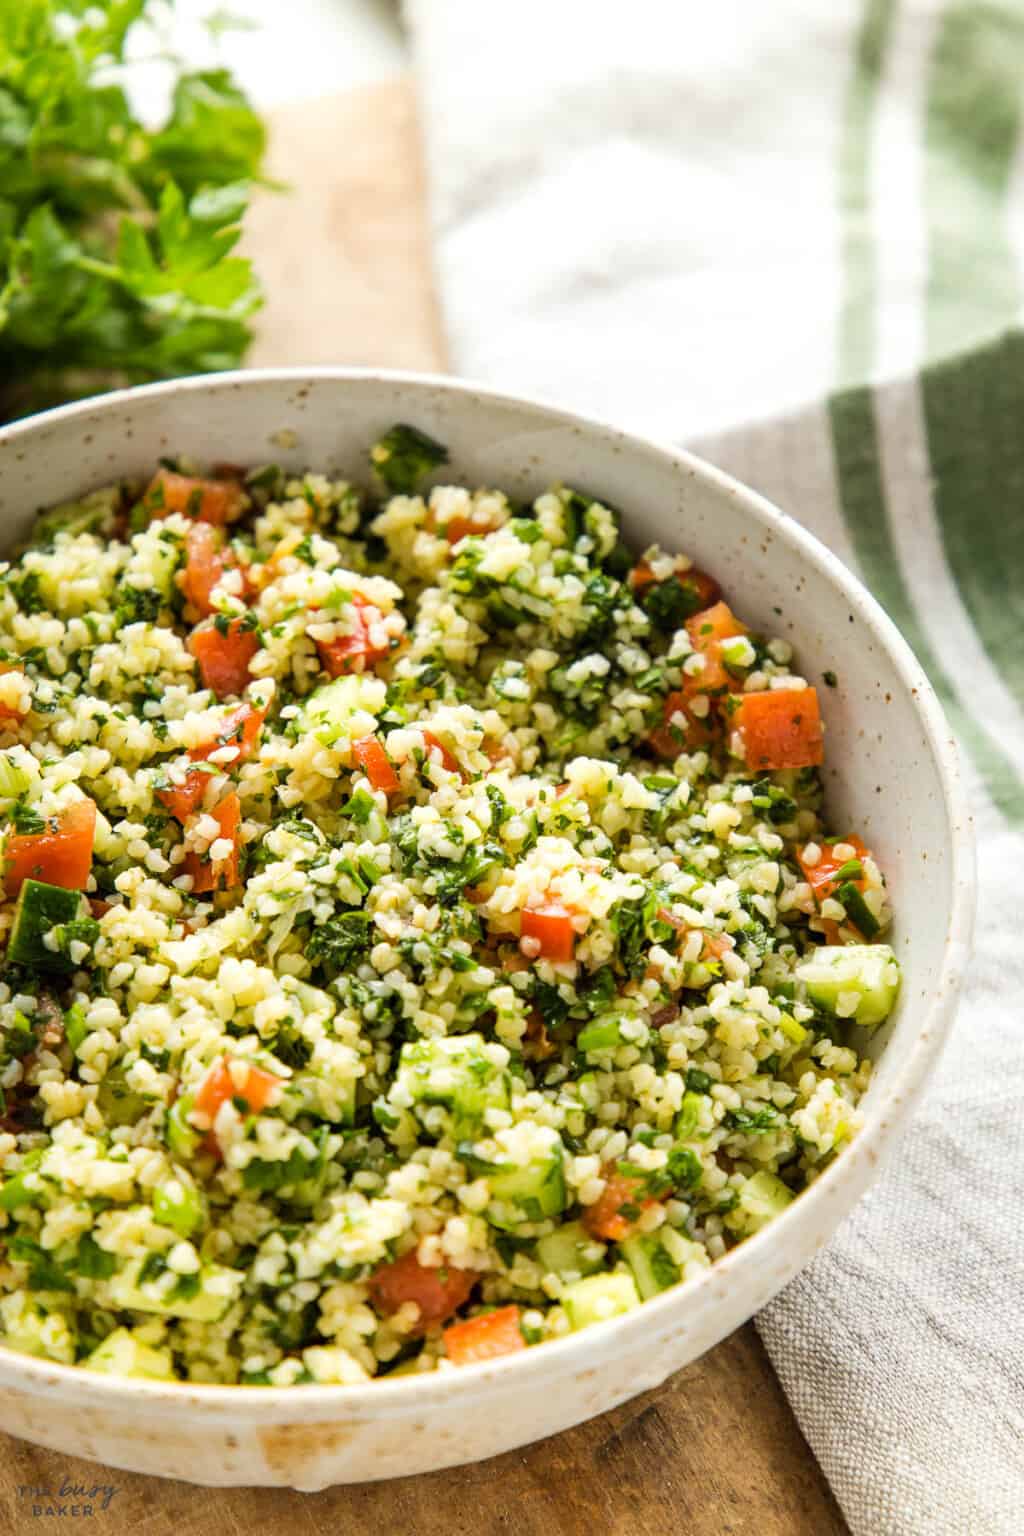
(857, 910)
(117, 1102)
(529, 1191)
(121, 1354)
(40, 908)
(570, 1251)
(15, 779)
(795, 1033)
(610, 1030)
(653, 1267)
(329, 710)
(453, 1070)
(179, 1204)
(761, 1198)
(204, 1297)
(689, 1116)
(852, 981)
(26, 1187)
(601, 1035)
(75, 1027)
(182, 1137)
(599, 1297)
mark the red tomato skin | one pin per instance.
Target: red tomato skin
(437, 1292)
(353, 652)
(205, 564)
(707, 630)
(218, 1086)
(697, 733)
(374, 761)
(458, 528)
(604, 1219)
(182, 799)
(240, 729)
(705, 588)
(551, 926)
(821, 876)
(780, 728)
(434, 745)
(207, 876)
(484, 1338)
(223, 658)
(210, 501)
(61, 855)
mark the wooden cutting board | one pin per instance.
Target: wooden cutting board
(716, 1451)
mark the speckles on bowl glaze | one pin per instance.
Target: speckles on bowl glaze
(292, 1451)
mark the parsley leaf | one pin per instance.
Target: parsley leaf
(404, 455)
(115, 237)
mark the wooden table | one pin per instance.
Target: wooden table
(715, 1451)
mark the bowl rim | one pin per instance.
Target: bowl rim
(736, 1272)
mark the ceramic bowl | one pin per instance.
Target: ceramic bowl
(891, 773)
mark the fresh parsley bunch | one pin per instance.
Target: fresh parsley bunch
(115, 238)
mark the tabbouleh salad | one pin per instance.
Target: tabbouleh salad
(420, 938)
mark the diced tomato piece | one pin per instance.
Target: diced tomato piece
(821, 877)
(210, 501)
(716, 945)
(704, 588)
(182, 799)
(615, 1213)
(780, 728)
(205, 564)
(208, 875)
(669, 739)
(7, 712)
(435, 745)
(224, 656)
(61, 855)
(824, 878)
(258, 1091)
(640, 576)
(701, 589)
(551, 925)
(484, 1338)
(376, 764)
(240, 729)
(495, 751)
(354, 652)
(438, 1292)
(457, 528)
(258, 1088)
(707, 630)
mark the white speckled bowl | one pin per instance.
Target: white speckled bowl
(892, 773)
